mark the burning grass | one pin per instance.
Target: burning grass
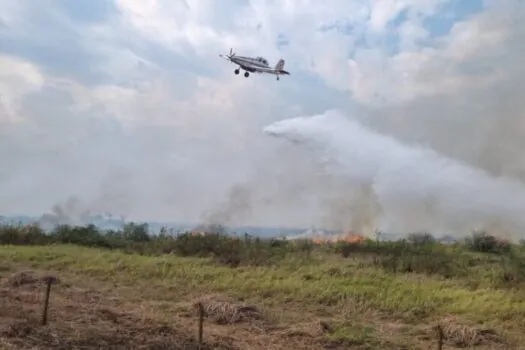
(260, 294)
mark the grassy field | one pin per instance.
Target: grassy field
(131, 290)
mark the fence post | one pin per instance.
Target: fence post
(201, 324)
(441, 336)
(49, 281)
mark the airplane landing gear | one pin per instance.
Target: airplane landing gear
(236, 72)
(246, 74)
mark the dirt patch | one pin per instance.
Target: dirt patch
(461, 336)
(21, 279)
(25, 336)
(27, 278)
(313, 329)
(80, 319)
(16, 329)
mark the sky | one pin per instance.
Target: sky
(126, 106)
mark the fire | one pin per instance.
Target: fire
(348, 237)
(199, 233)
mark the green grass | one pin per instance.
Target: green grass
(359, 287)
(328, 283)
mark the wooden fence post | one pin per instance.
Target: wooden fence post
(201, 324)
(441, 336)
(49, 281)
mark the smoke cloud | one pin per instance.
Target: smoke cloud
(153, 129)
(281, 178)
(374, 180)
(483, 122)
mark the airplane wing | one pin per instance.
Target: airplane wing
(269, 70)
(278, 69)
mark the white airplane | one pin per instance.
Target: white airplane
(255, 65)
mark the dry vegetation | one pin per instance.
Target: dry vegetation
(130, 290)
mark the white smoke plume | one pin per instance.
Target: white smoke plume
(281, 179)
(374, 181)
(72, 212)
(237, 206)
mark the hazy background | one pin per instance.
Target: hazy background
(126, 106)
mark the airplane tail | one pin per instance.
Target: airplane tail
(279, 67)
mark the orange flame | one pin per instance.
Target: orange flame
(348, 237)
(198, 233)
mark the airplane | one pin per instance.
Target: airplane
(255, 65)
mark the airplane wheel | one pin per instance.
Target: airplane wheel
(236, 71)
(246, 74)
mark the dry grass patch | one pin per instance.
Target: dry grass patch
(463, 336)
(226, 310)
(80, 318)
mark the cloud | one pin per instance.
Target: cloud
(126, 105)
(471, 109)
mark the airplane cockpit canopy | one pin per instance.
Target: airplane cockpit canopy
(262, 60)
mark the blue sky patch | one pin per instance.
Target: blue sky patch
(282, 41)
(88, 10)
(451, 13)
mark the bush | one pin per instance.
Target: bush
(428, 262)
(418, 253)
(27, 235)
(134, 238)
(89, 236)
(421, 238)
(135, 232)
(485, 243)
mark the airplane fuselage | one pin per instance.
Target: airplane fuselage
(252, 65)
(256, 65)
(249, 61)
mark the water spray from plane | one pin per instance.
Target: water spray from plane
(400, 188)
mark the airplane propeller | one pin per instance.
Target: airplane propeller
(230, 55)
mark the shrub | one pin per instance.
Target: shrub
(512, 272)
(27, 235)
(418, 253)
(421, 238)
(136, 232)
(485, 243)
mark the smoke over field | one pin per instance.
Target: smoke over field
(374, 181)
